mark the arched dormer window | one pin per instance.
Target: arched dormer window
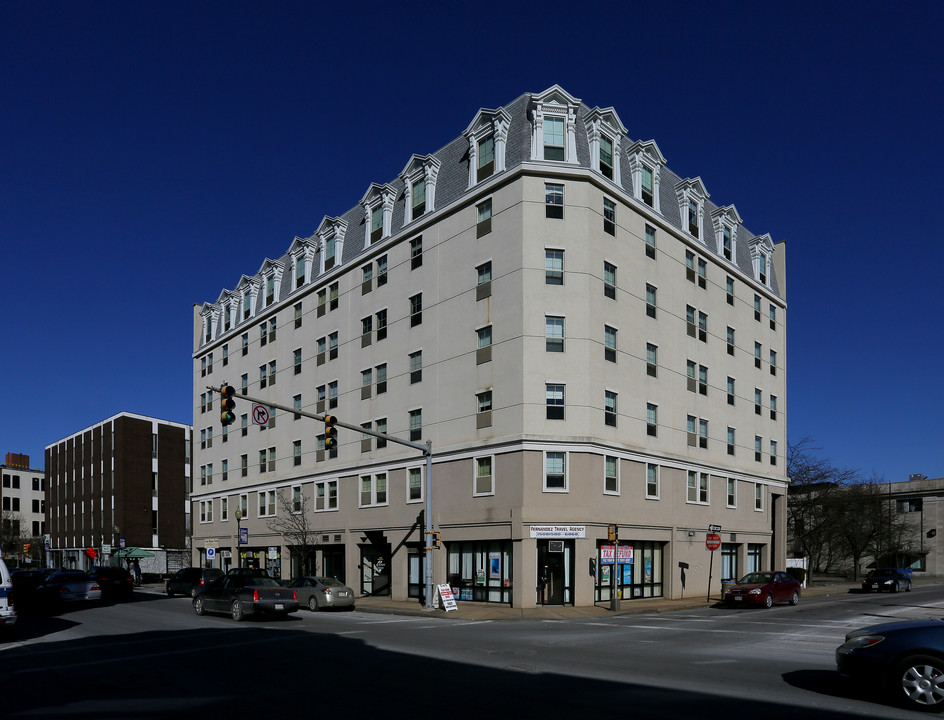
(378, 208)
(691, 197)
(419, 177)
(762, 250)
(210, 314)
(247, 289)
(271, 272)
(487, 135)
(302, 253)
(645, 163)
(554, 125)
(605, 132)
(331, 241)
(725, 221)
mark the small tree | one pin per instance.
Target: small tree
(10, 538)
(292, 523)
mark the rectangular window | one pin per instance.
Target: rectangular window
(263, 376)
(652, 360)
(243, 465)
(416, 367)
(606, 156)
(270, 291)
(225, 355)
(554, 267)
(758, 350)
(381, 271)
(697, 487)
(609, 343)
(650, 242)
(297, 405)
(365, 437)
(272, 372)
(263, 334)
(554, 138)
(416, 310)
(418, 191)
(554, 201)
(326, 495)
(726, 246)
(414, 485)
(381, 372)
(322, 302)
(609, 216)
(730, 390)
(298, 315)
(773, 452)
(367, 278)
(555, 471)
(650, 300)
(381, 425)
(773, 320)
(729, 290)
(773, 362)
(333, 296)
(483, 286)
(333, 394)
(758, 448)
(758, 497)
(647, 186)
(610, 410)
(297, 360)
(367, 382)
(483, 346)
(224, 509)
(731, 441)
(553, 334)
(730, 341)
(225, 470)
(652, 420)
(554, 401)
(416, 425)
(732, 493)
(483, 477)
(758, 400)
(702, 326)
(296, 498)
(272, 326)
(297, 452)
(773, 407)
(416, 252)
(376, 223)
(611, 475)
(609, 280)
(757, 308)
(381, 316)
(485, 158)
(693, 217)
(484, 218)
(367, 329)
(652, 481)
(333, 346)
(483, 409)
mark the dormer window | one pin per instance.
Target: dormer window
(554, 120)
(605, 132)
(487, 134)
(272, 272)
(419, 176)
(331, 241)
(726, 221)
(302, 253)
(247, 290)
(270, 291)
(645, 164)
(300, 265)
(761, 249)
(210, 315)
(378, 207)
(691, 197)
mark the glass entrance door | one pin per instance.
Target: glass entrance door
(555, 579)
(375, 571)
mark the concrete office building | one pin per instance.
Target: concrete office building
(585, 337)
(121, 482)
(23, 508)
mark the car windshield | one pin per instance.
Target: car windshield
(883, 572)
(756, 578)
(330, 582)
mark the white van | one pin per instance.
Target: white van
(7, 612)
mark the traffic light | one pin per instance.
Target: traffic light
(26, 547)
(227, 404)
(331, 432)
(434, 541)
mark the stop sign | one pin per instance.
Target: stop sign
(712, 541)
(91, 553)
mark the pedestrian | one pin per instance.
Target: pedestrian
(137, 573)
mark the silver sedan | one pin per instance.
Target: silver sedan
(69, 586)
(322, 592)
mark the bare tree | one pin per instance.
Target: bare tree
(293, 524)
(10, 538)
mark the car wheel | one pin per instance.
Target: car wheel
(312, 604)
(895, 587)
(921, 679)
(193, 592)
(908, 589)
(198, 606)
(236, 610)
(769, 601)
(795, 600)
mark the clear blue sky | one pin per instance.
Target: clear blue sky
(153, 152)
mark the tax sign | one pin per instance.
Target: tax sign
(260, 415)
(712, 541)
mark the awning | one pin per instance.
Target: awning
(132, 553)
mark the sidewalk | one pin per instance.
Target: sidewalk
(488, 611)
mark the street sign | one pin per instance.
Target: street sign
(714, 528)
(106, 549)
(211, 553)
(260, 415)
(713, 541)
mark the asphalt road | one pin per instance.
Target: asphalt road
(154, 658)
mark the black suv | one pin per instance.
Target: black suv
(189, 580)
(116, 582)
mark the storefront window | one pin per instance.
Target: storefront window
(481, 571)
(638, 573)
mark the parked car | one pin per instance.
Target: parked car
(242, 595)
(890, 579)
(322, 592)
(189, 581)
(7, 608)
(68, 586)
(116, 582)
(249, 572)
(904, 659)
(25, 583)
(763, 588)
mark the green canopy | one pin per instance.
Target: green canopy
(132, 553)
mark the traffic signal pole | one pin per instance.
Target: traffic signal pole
(425, 448)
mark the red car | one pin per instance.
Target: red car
(763, 588)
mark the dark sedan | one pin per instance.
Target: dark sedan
(241, 596)
(116, 582)
(905, 659)
(890, 579)
(763, 588)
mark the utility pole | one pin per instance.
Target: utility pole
(426, 449)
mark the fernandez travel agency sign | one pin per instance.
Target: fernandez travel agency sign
(558, 531)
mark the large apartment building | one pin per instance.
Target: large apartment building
(23, 509)
(120, 484)
(584, 337)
